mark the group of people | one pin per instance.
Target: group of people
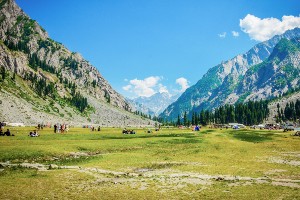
(94, 129)
(125, 131)
(60, 128)
(40, 126)
(6, 133)
(33, 134)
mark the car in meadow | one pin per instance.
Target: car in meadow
(289, 127)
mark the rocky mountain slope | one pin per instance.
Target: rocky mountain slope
(283, 101)
(224, 82)
(275, 76)
(154, 104)
(52, 72)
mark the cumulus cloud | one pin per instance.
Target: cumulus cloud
(146, 87)
(235, 34)
(162, 89)
(183, 82)
(127, 87)
(222, 35)
(264, 29)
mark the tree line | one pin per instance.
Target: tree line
(291, 112)
(143, 114)
(249, 113)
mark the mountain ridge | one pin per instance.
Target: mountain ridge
(216, 86)
(53, 76)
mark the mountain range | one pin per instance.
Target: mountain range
(155, 104)
(43, 81)
(267, 70)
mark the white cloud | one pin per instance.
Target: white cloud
(235, 34)
(264, 29)
(127, 87)
(183, 82)
(146, 87)
(222, 35)
(162, 89)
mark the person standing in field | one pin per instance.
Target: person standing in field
(62, 128)
(1, 131)
(55, 128)
(58, 127)
(67, 128)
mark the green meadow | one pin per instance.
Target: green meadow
(166, 164)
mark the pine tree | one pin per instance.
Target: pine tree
(3, 73)
(178, 121)
(14, 77)
(185, 119)
(297, 109)
(278, 113)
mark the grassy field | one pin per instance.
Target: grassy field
(168, 164)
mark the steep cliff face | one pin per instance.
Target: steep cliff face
(218, 85)
(22, 39)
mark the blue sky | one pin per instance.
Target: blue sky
(143, 46)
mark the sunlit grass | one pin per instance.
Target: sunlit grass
(244, 153)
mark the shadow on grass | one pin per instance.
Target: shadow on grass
(207, 131)
(150, 135)
(182, 141)
(74, 161)
(251, 136)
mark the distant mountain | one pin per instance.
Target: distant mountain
(140, 107)
(230, 81)
(43, 81)
(154, 104)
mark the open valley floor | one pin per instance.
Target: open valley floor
(165, 164)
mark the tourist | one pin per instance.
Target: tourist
(7, 133)
(66, 127)
(34, 134)
(58, 127)
(1, 129)
(62, 128)
(55, 128)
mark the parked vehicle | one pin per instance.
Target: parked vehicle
(289, 127)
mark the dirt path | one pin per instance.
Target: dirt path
(165, 177)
